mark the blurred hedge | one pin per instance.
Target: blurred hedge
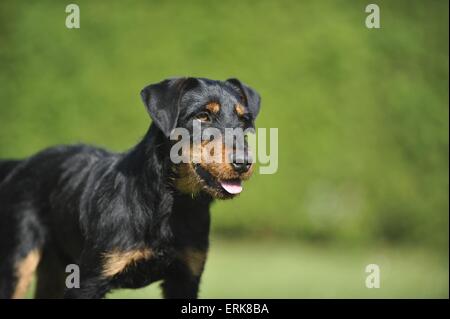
(362, 114)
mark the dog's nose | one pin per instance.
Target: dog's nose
(241, 163)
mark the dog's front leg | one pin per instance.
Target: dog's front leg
(90, 288)
(93, 284)
(180, 285)
(183, 277)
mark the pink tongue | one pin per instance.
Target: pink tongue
(232, 187)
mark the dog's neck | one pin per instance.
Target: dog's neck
(149, 167)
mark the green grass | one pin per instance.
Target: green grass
(265, 269)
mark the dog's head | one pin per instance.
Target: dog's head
(215, 164)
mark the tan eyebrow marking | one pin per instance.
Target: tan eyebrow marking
(240, 110)
(117, 261)
(213, 107)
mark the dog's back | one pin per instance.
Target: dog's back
(6, 167)
(33, 191)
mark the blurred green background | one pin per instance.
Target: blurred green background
(362, 117)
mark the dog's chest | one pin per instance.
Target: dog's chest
(185, 253)
(137, 268)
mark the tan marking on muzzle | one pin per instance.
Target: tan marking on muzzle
(24, 273)
(190, 183)
(217, 165)
(117, 261)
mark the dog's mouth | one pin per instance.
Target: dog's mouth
(220, 187)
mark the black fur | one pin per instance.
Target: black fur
(76, 203)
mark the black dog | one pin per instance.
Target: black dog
(126, 219)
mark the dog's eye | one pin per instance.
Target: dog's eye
(203, 116)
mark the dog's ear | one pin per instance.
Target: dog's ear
(249, 95)
(162, 101)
